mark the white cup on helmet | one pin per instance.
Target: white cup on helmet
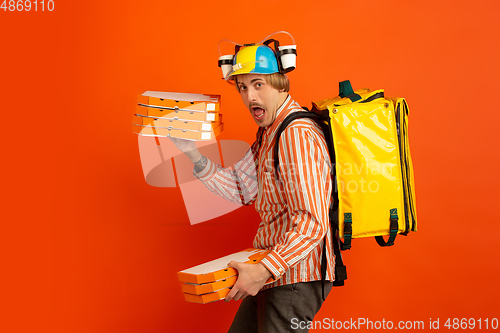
(226, 63)
(288, 56)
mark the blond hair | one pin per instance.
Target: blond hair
(277, 80)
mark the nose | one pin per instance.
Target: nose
(251, 95)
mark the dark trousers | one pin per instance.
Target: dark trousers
(279, 309)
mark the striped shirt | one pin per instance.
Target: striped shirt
(294, 207)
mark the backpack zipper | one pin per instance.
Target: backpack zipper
(408, 171)
(402, 157)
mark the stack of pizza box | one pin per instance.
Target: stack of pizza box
(192, 117)
(212, 281)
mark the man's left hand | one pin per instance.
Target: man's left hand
(251, 278)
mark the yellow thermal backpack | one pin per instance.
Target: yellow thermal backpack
(367, 137)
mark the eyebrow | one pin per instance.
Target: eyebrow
(252, 81)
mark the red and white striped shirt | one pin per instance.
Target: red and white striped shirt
(293, 209)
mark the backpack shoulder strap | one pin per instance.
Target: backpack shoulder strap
(291, 117)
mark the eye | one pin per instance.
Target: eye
(243, 88)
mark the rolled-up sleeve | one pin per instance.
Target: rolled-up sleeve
(238, 185)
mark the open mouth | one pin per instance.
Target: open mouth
(258, 112)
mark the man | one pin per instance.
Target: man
(293, 203)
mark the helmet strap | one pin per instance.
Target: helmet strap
(276, 52)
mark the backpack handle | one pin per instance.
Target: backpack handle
(345, 90)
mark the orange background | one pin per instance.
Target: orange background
(88, 246)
